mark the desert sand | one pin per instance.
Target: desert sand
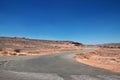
(103, 58)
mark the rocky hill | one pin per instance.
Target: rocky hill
(36, 46)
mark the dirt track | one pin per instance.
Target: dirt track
(62, 66)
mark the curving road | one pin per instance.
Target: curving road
(60, 66)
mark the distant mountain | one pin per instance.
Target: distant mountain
(110, 45)
(25, 44)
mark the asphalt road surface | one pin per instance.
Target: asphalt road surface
(61, 66)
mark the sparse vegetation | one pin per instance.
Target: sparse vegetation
(13, 53)
(18, 45)
(5, 52)
(77, 44)
(110, 45)
(17, 50)
(1, 49)
(119, 47)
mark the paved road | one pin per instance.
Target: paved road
(60, 66)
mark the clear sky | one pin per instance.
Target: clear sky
(86, 21)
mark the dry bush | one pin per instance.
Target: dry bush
(22, 54)
(1, 49)
(13, 53)
(17, 50)
(4, 53)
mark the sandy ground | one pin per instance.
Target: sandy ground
(38, 52)
(103, 58)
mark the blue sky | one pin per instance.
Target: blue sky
(86, 21)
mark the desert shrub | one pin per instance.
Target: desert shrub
(111, 47)
(76, 43)
(1, 49)
(13, 53)
(17, 50)
(22, 55)
(5, 53)
(119, 47)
